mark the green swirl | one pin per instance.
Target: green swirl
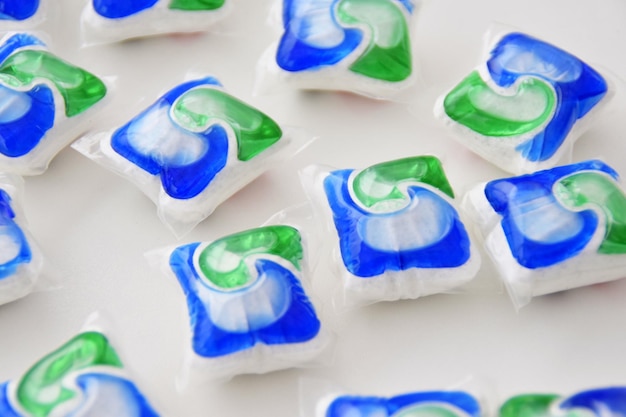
(196, 4)
(41, 389)
(585, 189)
(388, 55)
(80, 89)
(475, 105)
(379, 183)
(200, 107)
(223, 261)
(536, 405)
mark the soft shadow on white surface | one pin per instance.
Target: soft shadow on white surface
(95, 227)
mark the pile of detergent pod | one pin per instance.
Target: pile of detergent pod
(398, 229)
(86, 376)
(330, 401)
(46, 103)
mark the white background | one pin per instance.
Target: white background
(94, 227)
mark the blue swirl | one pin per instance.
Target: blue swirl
(599, 401)
(10, 231)
(116, 9)
(6, 410)
(298, 324)
(363, 259)
(527, 203)
(25, 118)
(17, 41)
(181, 178)
(376, 406)
(408, 5)
(578, 87)
(296, 50)
(18, 9)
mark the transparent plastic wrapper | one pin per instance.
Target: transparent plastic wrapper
(361, 46)
(523, 108)
(192, 149)
(83, 377)
(554, 229)
(21, 260)
(596, 402)
(398, 231)
(45, 103)
(22, 14)
(248, 307)
(107, 21)
(320, 398)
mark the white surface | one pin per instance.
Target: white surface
(95, 227)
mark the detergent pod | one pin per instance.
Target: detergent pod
(105, 21)
(22, 14)
(361, 46)
(433, 403)
(553, 230)
(597, 402)
(428, 403)
(399, 233)
(21, 261)
(469, 397)
(83, 377)
(525, 105)
(45, 103)
(190, 150)
(248, 308)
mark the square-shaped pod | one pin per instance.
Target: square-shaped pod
(190, 150)
(248, 308)
(361, 46)
(554, 229)
(45, 103)
(525, 105)
(399, 233)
